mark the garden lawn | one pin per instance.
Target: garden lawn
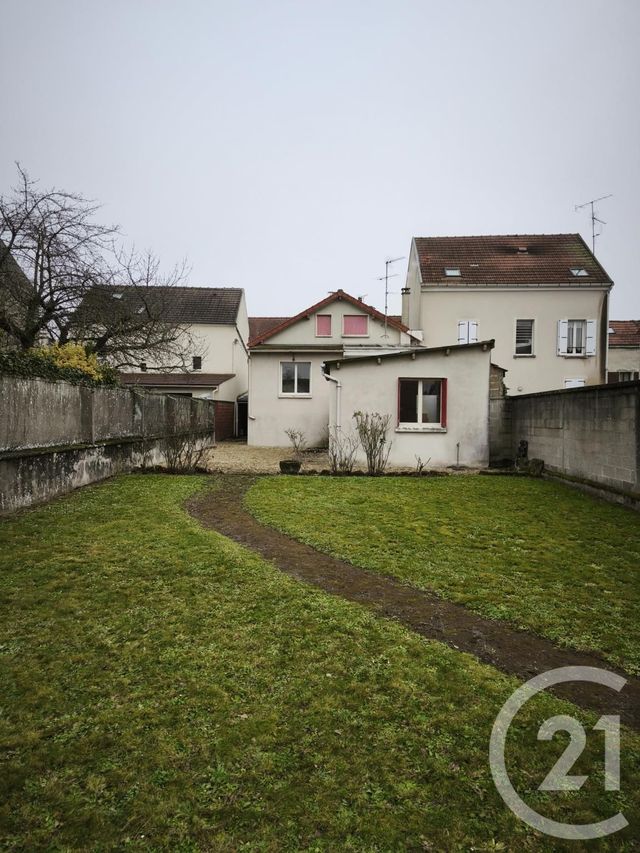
(534, 553)
(165, 689)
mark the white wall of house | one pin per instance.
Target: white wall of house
(624, 359)
(371, 387)
(270, 410)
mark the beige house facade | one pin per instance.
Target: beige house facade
(287, 386)
(437, 401)
(217, 326)
(542, 298)
(624, 351)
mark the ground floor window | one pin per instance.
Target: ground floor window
(422, 402)
(295, 377)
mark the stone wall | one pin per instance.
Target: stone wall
(55, 436)
(589, 436)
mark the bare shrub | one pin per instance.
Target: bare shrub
(342, 451)
(420, 464)
(184, 454)
(298, 441)
(372, 430)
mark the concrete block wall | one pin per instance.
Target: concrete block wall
(55, 436)
(588, 435)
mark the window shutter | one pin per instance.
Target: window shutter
(463, 332)
(563, 332)
(443, 402)
(473, 332)
(591, 337)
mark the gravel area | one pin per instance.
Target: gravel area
(236, 457)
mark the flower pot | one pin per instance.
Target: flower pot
(290, 466)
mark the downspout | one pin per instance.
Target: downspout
(249, 394)
(330, 378)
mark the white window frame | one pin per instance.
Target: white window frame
(531, 354)
(471, 327)
(345, 335)
(296, 394)
(330, 335)
(580, 380)
(590, 328)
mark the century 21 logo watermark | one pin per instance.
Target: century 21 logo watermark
(558, 778)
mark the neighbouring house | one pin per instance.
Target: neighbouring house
(436, 398)
(624, 351)
(217, 321)
(542, 297)
(287, 388)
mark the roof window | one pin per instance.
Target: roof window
(523, 250)
(578, 272)
(117, 295)
(452, 272)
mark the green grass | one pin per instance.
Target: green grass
(534, 553)
(164, 689)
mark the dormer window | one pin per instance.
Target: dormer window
(452, 272)
(578, 272)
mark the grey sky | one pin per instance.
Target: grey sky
(290, 147)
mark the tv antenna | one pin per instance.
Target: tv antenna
(386, 278)
(594, 218)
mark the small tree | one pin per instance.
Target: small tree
(372, 429)
(298, 441)
(342, 451)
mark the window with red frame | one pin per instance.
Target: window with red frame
(422, 402)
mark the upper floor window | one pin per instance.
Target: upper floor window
(422, 402)
(355, 325)
(524, 337)
(467, 331)
(295, 378)
(197, 362)
(452, 272)
(143, 366)
(576, 337)
(323, 325)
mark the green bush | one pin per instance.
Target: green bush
(55, 362)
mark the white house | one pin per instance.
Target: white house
(624, 351)
(216, 320)
(437, 401)
(543, 298)
(287, 388)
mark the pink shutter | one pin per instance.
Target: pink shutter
(355, 324)
(323, 325)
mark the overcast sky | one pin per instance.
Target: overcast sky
(291, 147)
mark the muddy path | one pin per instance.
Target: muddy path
(516, 652)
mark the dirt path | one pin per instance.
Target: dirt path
(516, 652)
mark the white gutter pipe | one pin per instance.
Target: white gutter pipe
(330, 378)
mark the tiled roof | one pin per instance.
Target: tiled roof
(208, 305)
(333, 297)
(516, 259)
(259, 325)
(626, 333)
(191, 380)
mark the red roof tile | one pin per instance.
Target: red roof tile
(515, 259)
(626, 333)
(259, 325)
(333, 297)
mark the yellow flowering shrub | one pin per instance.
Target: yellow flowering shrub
(73, 356)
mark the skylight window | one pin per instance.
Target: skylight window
(117, 295)
(452, 272)
(578, 272)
